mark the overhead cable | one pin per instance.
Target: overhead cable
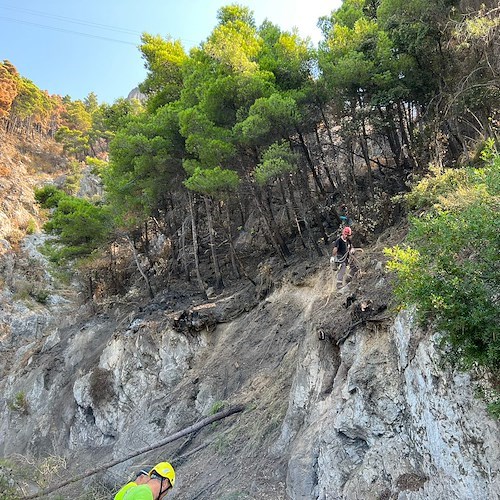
(72, 20)
(54, 28)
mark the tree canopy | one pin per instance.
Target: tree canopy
(255, 131)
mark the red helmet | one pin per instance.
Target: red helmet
(346, 231)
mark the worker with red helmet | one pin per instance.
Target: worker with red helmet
(342, 248)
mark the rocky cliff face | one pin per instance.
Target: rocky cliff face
(343, 399)
(135, 93)
(395, 424)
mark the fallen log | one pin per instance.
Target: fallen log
(193, 428)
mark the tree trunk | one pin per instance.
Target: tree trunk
(113, 269)
(364, 148)
(159, 443)
(392, 136)
(307, 154)
(350, 160)
(194, 231)
(285, 201)
(408, 159)
(295, 210)
(327, 125)
(211, 234)
(139, 267)
(182, 242)
(310, 205)
(272, 228)
(230, 240)
(323, 160)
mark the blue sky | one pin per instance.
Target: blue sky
(73, 48)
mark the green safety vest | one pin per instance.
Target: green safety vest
(132, 491)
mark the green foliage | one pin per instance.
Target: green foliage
(19, 403)
(98, 166)
(437, 183)
(91, 103)
(417, 29)
(41, 296)
(49, 196)
(235, 13)
(269, 118)
(31, 102)
(217, 407)
(145, 163)
(75, 142)
(494, 409)
(211, 144)
(234, 43)
(286, 56)
(77, 116)
(111, 118)
(72, 181)
(451, 271)
(277, 160)
(79, 225)
(216, 182)
(382, 52)
(31, 227)
(164, 60)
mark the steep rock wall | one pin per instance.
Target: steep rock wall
(333, 411)
(396, 424)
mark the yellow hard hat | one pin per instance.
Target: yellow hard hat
(164, 469)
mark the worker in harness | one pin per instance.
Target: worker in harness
(344, 216)
(149, 485)
(342, 249)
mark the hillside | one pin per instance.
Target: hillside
(167, 259)
(344, 397)
(24, 163)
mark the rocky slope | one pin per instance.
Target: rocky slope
(344, 398)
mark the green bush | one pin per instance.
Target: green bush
(494, 409)
(49, 196)
(450, 268)
(217, 407)
(40, 295)
(73, 178)
(19, 403)
(79, 225)
(31, 227)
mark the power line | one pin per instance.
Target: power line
(54, 28)
(72, 20)
(76, 21)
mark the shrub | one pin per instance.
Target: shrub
(31, 227)
(48, 196)
(73, 178)
(217, 407)
(450, 268)
(40, 295)
(19, 403)
(79, 225)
